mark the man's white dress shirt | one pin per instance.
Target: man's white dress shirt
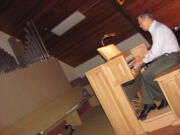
(164, 41)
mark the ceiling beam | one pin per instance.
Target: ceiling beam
(132, 20)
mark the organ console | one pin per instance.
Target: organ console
(107, 80)
(110, 52)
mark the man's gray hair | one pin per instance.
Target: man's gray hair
(145, 15)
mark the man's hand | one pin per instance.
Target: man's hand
(139, 63)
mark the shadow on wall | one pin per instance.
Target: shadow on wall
(17, 48)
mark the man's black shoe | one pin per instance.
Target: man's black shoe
(163, 104)
(146, 110)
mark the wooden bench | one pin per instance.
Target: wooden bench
(169, 82)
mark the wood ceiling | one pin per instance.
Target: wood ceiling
(102, 16)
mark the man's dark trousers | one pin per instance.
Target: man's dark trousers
(151, 89)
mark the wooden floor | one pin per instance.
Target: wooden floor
(95, 122)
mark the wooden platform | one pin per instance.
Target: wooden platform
(158, 119)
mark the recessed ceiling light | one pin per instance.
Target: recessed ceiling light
(68, 23)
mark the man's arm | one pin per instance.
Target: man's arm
(157, 46)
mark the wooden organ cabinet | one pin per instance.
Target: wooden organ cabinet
(107, 80)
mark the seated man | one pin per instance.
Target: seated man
(163, 54)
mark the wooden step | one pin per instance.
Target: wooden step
(158, 119)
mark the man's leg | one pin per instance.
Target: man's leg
(151, 89)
